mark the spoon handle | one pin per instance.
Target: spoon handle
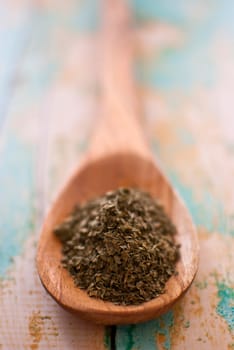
(119, 128)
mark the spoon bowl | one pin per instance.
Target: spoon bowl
(93, 179)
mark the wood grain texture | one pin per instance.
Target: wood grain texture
(185, 74)
(120, 110)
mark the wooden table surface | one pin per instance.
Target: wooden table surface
(48, 106)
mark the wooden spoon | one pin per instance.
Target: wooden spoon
(118, 156)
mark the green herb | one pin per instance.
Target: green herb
(120, 247)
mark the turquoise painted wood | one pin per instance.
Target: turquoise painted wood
(185, 72)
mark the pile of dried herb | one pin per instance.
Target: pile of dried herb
(120, 247)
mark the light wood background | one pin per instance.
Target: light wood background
(48, 108)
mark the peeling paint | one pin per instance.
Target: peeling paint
(13, 40)
(192, 64)
(148, 336)
(225, 307)
(35, 328)
(16, 200)
(204, 212)
(124, 337)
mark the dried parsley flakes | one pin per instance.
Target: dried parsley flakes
(120, 247)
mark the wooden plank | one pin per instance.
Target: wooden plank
(186, 71)
(44, 126)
